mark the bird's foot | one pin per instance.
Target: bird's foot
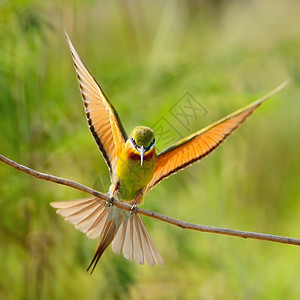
(110, 201)
(133, 208)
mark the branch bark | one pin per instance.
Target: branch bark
(152, 214)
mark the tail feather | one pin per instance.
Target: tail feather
(137, 243)
(78, 216)
(126, 232)
(119, 239)
(128, 242)
(76, 209)
(108, 234)
(72, 203)
(85, 224)
(146, 248)
(98, 226)
(83, 213)
(155, 253)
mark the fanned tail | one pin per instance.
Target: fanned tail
(127, 232)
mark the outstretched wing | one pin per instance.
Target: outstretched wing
(102, 117)
(201, 143)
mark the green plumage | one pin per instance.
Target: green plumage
(132, 177)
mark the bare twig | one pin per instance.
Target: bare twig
(155, 215)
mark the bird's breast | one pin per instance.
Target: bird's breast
(131, 176)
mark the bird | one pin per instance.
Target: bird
(134, 168)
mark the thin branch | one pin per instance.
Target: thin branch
(155, 215)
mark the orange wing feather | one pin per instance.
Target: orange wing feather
(201, 143)
(102, 117)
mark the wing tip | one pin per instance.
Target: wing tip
(272, 92)
(66, 35)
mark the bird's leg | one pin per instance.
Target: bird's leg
(111, 196)
(134, 206)
(110, 201)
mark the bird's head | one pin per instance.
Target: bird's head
(142, 140)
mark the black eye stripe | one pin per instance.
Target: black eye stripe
(150, 145)
(153, 141)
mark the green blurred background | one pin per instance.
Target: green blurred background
(146, 55)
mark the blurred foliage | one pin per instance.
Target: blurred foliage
(146, 55)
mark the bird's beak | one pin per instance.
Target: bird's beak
(142, 151)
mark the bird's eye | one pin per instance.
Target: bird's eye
(132, 139)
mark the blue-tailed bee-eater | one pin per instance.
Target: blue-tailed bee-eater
(134, 169)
